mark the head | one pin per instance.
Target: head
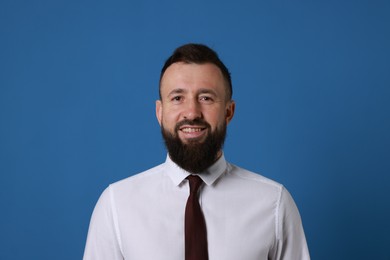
(198, 54)
(195, 106)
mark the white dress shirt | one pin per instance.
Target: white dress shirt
(248, 217)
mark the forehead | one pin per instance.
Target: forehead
(192, 76)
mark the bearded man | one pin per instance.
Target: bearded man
(196, 205)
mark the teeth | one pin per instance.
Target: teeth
(191, 130)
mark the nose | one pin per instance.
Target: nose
(192, 110)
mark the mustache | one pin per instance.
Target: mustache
(198, 122)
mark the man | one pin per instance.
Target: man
(230, 213)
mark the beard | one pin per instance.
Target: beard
(194, 156)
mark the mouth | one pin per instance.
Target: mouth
(192, 129)
(192, 132)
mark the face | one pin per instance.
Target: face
(193, 113)
(193, 93)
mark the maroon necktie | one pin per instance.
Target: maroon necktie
(195, 226)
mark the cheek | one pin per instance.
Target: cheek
(169, 120)
(216, 120)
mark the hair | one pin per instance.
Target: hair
(198, 54)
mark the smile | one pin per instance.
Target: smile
(189, 132)
(191, 129)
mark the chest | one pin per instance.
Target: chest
(153, 228)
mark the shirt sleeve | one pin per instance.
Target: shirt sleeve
(103, 241)
(290, 237)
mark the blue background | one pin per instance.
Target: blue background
(79, 80)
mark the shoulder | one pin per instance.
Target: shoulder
(139, 181)
(266, 190)
(252, 179)
(262, 185)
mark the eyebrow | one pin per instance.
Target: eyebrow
(207, 91)
(200, 91)
(176, 91)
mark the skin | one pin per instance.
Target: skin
(193, 91)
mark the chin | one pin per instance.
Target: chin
(193, 140)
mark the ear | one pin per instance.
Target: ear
(159, 111)
(230, 107)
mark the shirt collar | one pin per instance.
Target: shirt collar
(209, 176)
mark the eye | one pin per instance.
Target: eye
(176, 98)
(207, 99)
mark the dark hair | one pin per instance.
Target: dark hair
(198, 54)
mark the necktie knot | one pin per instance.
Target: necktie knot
(195, 183)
